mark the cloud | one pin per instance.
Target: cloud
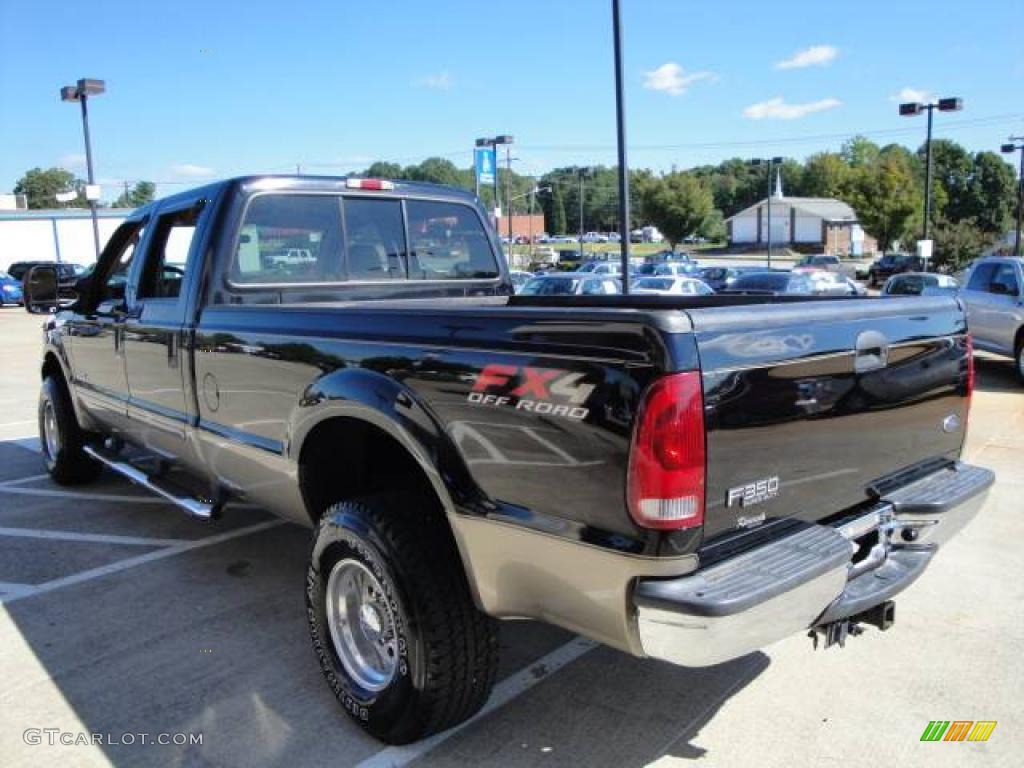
(672, 79)
(442, 81)
(815, 56)
(913, 94)
(72, 160)
(778, 109)
(188, 169)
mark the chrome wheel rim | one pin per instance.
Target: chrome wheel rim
(1020, 361)
(362, 624)
(50, 430)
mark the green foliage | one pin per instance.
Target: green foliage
(679, 204)
(957, 243)
(41, 187)
(887, 197)
(143, 192)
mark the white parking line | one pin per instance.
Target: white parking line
(24, 480)
(9, 589)
(49, 492)
(131, 562)
(95, 538)
(504, 692)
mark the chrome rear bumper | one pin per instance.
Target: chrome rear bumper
(808, 578)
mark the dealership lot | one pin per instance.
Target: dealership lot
(122, 617)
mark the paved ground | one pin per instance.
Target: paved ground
(119, 616)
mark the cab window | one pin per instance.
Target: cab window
(167, 257)
(448, 242)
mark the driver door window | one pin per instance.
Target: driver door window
(164, 271)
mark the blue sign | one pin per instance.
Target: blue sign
(485, 157)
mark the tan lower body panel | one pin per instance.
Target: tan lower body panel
(518, 572)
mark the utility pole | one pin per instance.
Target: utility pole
(620, 115)
(1017, 145)
(582, 173)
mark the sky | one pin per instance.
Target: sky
(205, 90)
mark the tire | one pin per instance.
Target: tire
(438, 654)
(1018, 359)
(61, 438)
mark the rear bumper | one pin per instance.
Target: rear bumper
(807, 578)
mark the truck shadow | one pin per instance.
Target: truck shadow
(213, 641)
(995, 374)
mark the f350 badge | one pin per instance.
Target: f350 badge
(753, 493)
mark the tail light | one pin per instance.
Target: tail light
(665, 484)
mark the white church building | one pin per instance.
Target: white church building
(825, 224)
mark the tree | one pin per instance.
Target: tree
(554, 214)
(679, 205)
(436, 170)
(143, 192)
(826, 174)
(887, 198)
(382, 170)
(992, 194)
(956, 243)
(41, 187)
(860, 152)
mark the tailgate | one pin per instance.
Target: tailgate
(807, 405)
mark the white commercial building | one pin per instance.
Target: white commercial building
(54, 235)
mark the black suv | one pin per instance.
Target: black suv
(66, 272)
(893, 264)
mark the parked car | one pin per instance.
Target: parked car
(671, 286)
(720, 278)
(994, 295)
(893, 264)
(919, 284)
(545, 255)
(595, 237)
(571, 284)
(771, 283)
(563, 239)
(819, 262)
(519, 279)
(833, 284)
(686, 487)
(10, 290)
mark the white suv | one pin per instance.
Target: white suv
(994, 294)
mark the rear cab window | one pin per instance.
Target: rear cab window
(309, 239)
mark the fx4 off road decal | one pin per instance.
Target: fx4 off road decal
(537, 390)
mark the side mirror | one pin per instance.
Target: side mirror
(41, 290)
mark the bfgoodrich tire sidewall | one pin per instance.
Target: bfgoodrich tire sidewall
(348, 535)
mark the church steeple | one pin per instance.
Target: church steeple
(778, 185)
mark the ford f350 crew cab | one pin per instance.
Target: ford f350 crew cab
(685, 478)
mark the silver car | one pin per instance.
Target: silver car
(994, 294)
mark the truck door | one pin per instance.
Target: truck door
(157, 403)
(95, 335)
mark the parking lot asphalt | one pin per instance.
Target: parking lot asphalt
(119, 616)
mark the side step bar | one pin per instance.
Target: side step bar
(200, 509)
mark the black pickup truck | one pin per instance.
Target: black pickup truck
(682, 478)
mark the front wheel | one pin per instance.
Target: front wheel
(393, 624)
(60, 437)
(1020, 361)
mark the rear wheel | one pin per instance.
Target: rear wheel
(1020, 360)
(61, 438)
(399, 640)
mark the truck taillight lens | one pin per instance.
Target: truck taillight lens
(665, 484)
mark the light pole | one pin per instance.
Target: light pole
(584, 173)
(620, 120)
(911, 109)
(81, 92)
(1017, 145)
(495, 142)
(770, 162)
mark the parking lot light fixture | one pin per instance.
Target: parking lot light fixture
(81, 92)
(912, 109)
(1016, 144)
(770, 162)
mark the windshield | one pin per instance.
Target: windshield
(550, 286)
